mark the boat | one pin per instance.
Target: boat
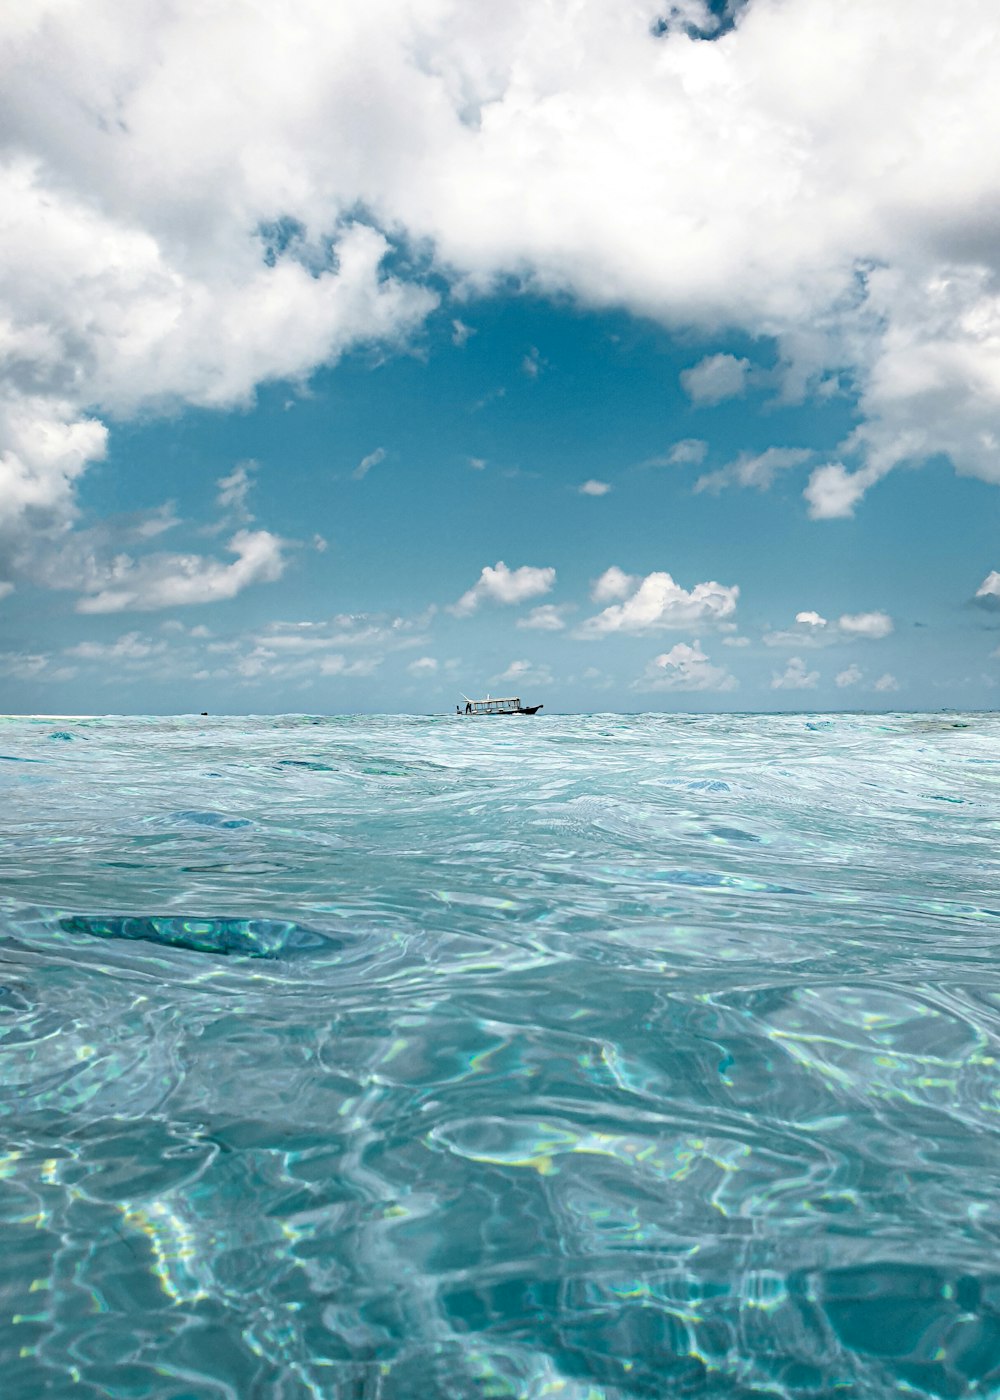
(508, 706)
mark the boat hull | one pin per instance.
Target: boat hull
(500, 714)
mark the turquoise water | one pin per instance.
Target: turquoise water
(423, 1059)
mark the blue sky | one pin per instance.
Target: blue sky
(630, 372)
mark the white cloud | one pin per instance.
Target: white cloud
(833, 491)
(44, 448)
(988, 592)
(340, 666)
(812, 630)
(687, 452)
(736, 641)
(613, 584)
(477, 464)
(371, 630)
(795, 676)
(757, 470)
(258, 666)
(685, 667)
(851, 676)
(887, 682)
(594, 488)
(532, 364)
(658, 603)
(873, 625)
(822, 174)
(460, 332)
(365, 465)
(33, 666)
(107, 300)
(550, 617)
(502, 585)
(234, 490)
(347, 646)
(177, 580)
(715, 378)
(130, 647)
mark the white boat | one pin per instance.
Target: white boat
(510, 705)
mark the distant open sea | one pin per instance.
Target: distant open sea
(587, 1057)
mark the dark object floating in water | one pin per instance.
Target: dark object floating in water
(248, 938)
(510, 706)
(204, 714)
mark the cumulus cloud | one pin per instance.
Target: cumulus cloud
(106, 305)
(687, 452)
(833, 491)
(423, 666)
(613, 583)
(45, 447)
(657, 603)
(594, 488)
(550, 617)
(177, 580)
(795, 676)
(886, 683)
(498, 584)
(715, 378)
(873, 625)
(850, 676)
(169, 241)
(685, 667)
(988, 593)
(754, 469)
(812, 630)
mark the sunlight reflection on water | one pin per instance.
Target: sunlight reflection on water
(593, 1057)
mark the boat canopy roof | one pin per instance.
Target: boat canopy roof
(491, 706)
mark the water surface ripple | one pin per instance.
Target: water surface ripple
(421, 1059)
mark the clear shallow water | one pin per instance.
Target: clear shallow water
(424, 1059)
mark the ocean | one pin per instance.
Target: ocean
(588, 1057)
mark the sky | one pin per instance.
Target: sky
(610, 354)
